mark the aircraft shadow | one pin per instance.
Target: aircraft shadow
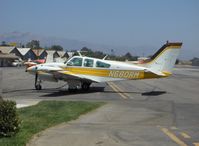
(18, 90)
(30, 90)
(56, 92)
(150, 93)
(153, 93)
(122, 92)
(66, 92)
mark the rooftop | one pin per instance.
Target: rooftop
(6, 49)
(23, 51)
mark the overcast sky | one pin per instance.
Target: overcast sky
(129, 23)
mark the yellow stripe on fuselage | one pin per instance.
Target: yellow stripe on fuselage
(125, 74)
(88, 71)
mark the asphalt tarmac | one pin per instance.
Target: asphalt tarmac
(141, 113)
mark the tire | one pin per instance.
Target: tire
(72, 90)
(85, 86)
(38, 87)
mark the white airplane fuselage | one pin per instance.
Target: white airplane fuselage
(85, 70)
(117, 71)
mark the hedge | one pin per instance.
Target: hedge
(9, 120)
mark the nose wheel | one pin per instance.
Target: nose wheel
(38, 87)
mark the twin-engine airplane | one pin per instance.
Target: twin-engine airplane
(81, 71)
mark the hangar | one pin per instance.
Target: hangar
(7, 59)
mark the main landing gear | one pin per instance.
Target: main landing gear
(85, 86)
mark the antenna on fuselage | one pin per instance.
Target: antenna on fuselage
(79, 53)
(105, 57)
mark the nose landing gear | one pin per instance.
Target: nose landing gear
(38, 87)
(37, 82)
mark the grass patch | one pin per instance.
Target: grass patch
(44, 115)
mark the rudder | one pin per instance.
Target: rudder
(164, 59)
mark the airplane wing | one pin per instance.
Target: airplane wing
(67, 75)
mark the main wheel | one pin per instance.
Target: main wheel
(72, 89)
(85, 86)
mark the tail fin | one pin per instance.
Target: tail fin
(164, 59)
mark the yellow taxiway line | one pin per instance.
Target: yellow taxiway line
(185, 135)
(173, 137)
(118, 90)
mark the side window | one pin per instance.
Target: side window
(88, 62)
(102, 64)
(75, 62)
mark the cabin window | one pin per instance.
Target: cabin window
(102, 64)
(88, 62)
(75, 62)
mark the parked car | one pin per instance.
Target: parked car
(17, 63)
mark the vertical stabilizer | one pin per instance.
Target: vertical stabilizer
(164, 59)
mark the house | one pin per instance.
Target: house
(52, 55)
(63, 55)
(70, 54)
(142, 60)
(8, 50)
(7, 59)
(195, 61)
(40, 53)
(185, 62)
(27, 54)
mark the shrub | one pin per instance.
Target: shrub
(9, 121)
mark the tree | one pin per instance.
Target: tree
(85, 49)
(56, 47)
(128, 56)
(34, 44)
(87, 52)
(98, 54)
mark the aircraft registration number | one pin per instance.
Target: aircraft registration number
(124, 74)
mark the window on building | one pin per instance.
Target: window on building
(88, 62)
(102, 64)
(75, 62)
